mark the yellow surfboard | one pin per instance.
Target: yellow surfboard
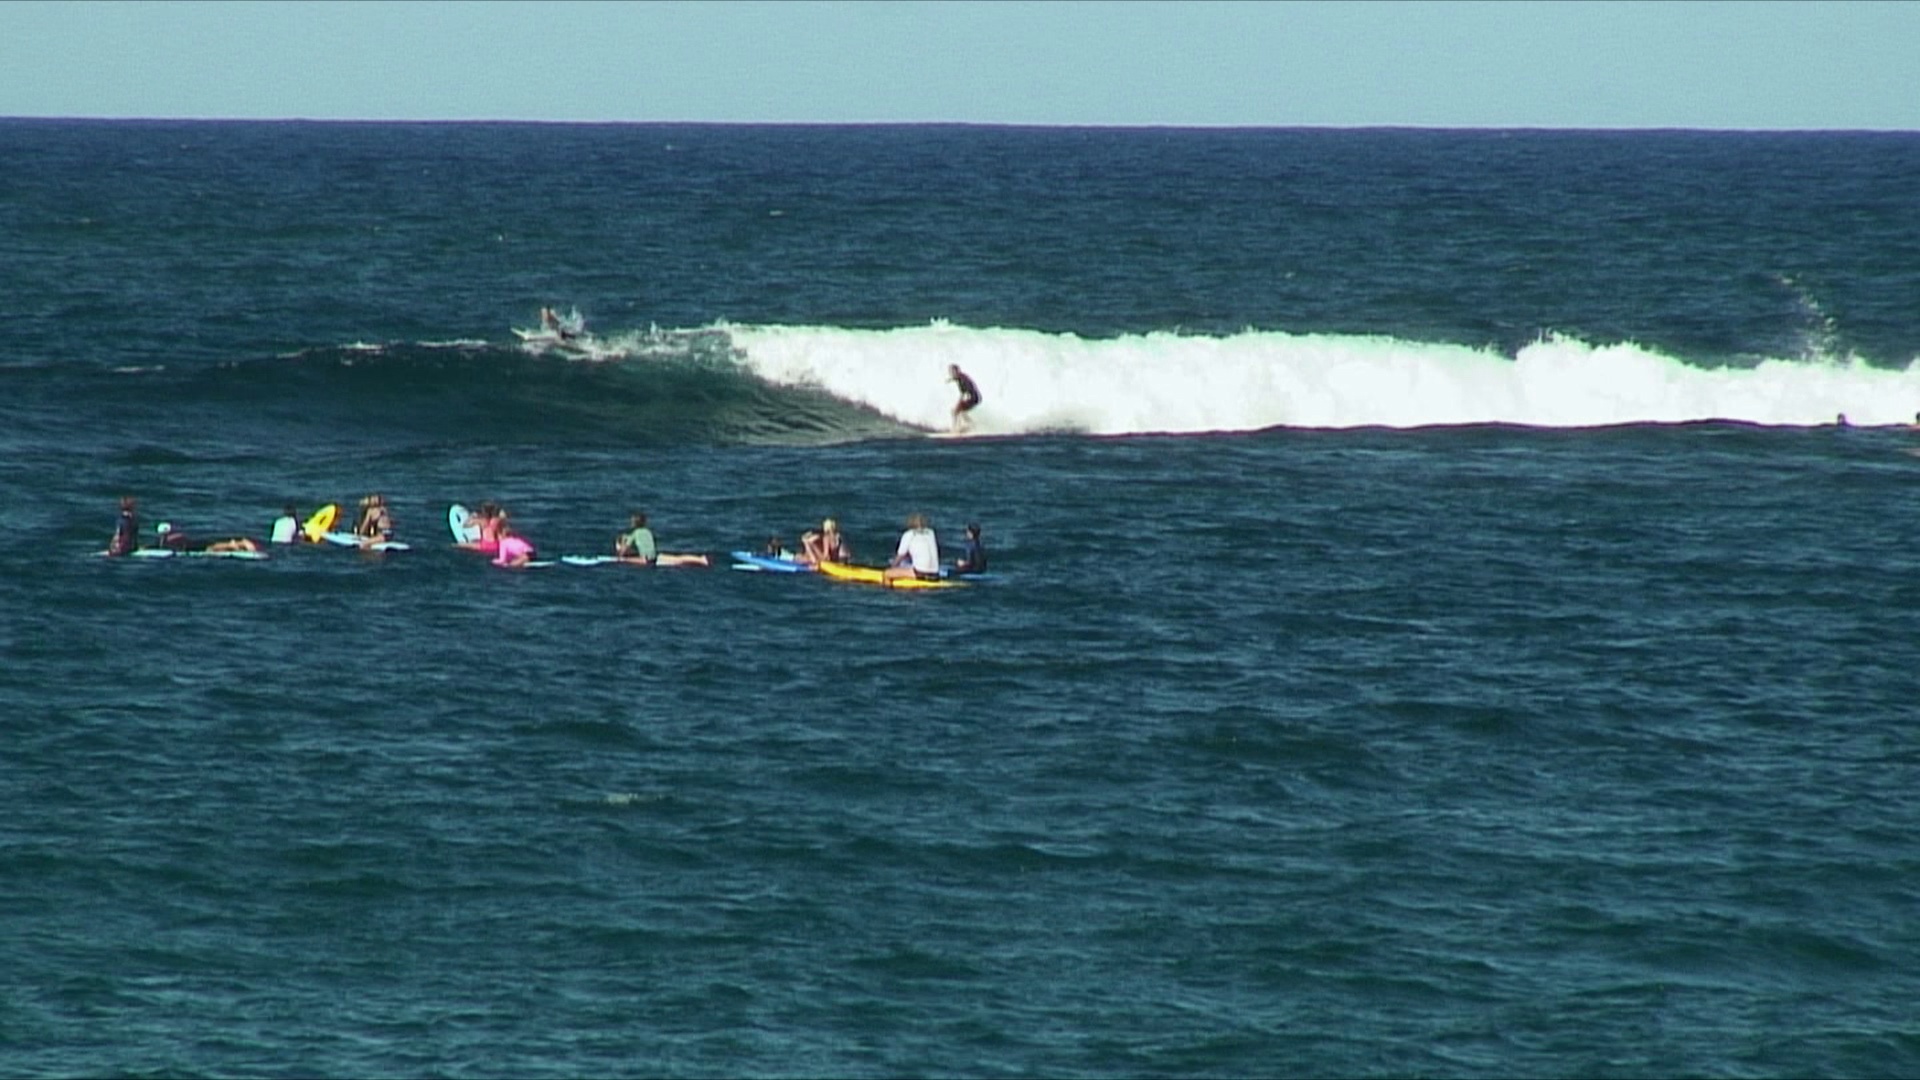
(320, 522)
(869, 575)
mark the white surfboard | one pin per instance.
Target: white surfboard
(460, 521)
(350, 540)
(163, 553)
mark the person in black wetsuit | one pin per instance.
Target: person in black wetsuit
(969, 396)
(975, 559)
(126, 531)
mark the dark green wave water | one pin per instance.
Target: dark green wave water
(1483, 750)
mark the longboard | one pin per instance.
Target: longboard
(870, 575)
(163, 553)
(350, 540)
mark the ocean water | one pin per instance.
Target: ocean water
(1453, 612)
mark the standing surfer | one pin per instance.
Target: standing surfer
(969, 397)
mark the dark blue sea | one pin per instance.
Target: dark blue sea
(1455, 605)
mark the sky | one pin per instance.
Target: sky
(1734, 64)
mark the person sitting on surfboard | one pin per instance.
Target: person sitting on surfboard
(286, 527)
(375, 522)
(173, 539)
(636, 545)
(918, 555)
(776, 548)
(126, 531)
(969, 397)
(827, 545)
(975, 559)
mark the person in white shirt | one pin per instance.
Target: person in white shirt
(286, 527)
(918, 554)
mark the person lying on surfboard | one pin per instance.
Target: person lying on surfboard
(637, 546)
(514, 550)
(173, 539)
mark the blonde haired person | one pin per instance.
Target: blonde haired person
(918, 554)
(827, 545)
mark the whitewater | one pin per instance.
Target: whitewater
(1171, 383)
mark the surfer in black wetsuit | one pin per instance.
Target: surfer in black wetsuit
(126, 531)
(975, 560)
(969, 396)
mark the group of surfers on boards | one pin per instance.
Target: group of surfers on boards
(375, 524)
(917, 555)
(918, 552)
(498, 537)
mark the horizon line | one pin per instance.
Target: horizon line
(1081, 126)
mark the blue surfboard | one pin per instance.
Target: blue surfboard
(747, 560)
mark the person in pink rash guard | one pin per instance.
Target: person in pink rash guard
(514, 549)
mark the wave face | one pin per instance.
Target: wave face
(798, 385)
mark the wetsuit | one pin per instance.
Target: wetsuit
(126, 534)
(969, 393)
(975, 560)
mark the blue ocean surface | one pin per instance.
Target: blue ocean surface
(1455, 608)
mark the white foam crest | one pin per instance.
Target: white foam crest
(1032, 381)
